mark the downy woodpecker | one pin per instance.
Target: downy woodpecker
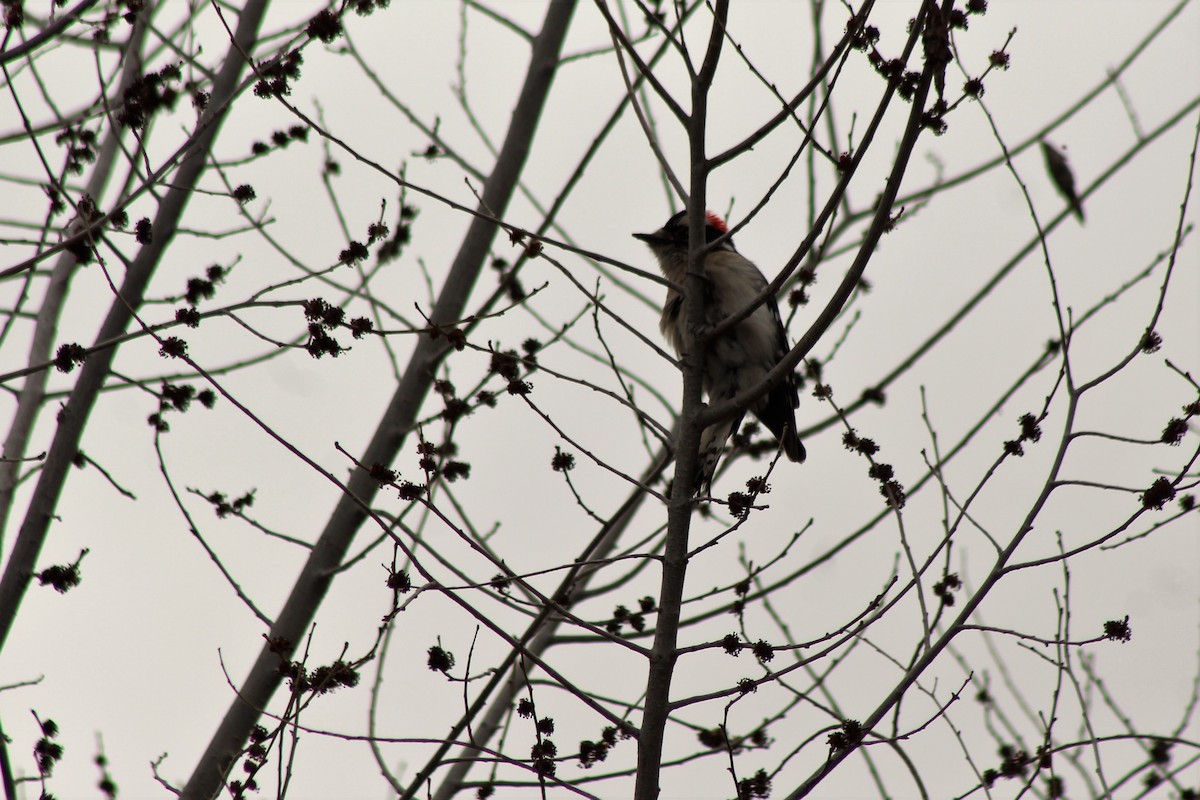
(740, 357)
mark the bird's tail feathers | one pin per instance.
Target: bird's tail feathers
(793, 448)
(712, 445)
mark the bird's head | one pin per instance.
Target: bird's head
(670, 242)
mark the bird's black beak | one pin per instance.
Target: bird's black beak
(647, 237)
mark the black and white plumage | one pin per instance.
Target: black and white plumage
(740, 357)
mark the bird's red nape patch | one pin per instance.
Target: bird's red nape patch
(716, 222)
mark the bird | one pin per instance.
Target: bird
(740, 357)
(1064, 179)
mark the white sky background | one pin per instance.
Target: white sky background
(133, 654)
